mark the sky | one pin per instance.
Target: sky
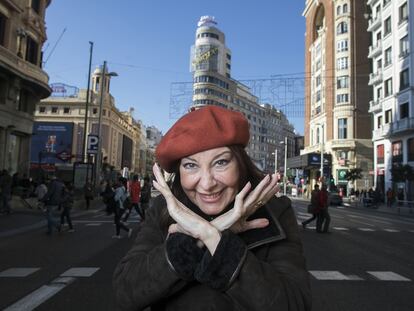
(147, 43)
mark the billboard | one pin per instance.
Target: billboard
(126, 152)
(51, 142)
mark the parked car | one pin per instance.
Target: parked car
(334, 198)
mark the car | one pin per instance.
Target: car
(334, 198)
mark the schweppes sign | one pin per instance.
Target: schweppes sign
(205, 56)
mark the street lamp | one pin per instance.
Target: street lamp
(104, 74)
(321, 147)
(275, 154)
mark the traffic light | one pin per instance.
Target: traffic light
(331, 181)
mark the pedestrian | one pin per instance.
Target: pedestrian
(314, 206)
(40, 192)
(120, 196)
(52, 200)
(88, 193)
(5, 191)
(390, 197)
(145, 195)
(323, 219)
(217, 238)
(134, 192)
(66, 206)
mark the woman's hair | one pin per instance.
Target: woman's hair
(247, 170)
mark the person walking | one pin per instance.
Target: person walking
(135, 193)
(120, 196)
(40, 192)
(88, 193)
(314, 206)
(323, 219)
(217, 237)
(145, 195)
(390, 197)
(52, 200)
(66, 205)
(5, 191)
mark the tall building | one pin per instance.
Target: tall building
(213, 85)
(390, 25)
(337, 94)
(60, 121)
(22, 81)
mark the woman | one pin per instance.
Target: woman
(120, 195)
(218, 238)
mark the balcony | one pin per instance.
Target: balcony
(375, 106)
(375, 50)
(402, 126)
(374, 23)
(342, 144)
(382, 132)
(25, 69)
(375, 78)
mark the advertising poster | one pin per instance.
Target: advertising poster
(50, 141)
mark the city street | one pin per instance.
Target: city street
(364, 263)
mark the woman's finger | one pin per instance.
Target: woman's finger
(253, 196)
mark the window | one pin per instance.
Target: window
(32, 50)
(338, 10)
(95, 110)
(388, 87)
(397, 151)
(318, 81)
(342, 98)
(42, 109)
(404, 112)
(36, 6)
(380, 154)
(342, 28)
(3, 22)
(342, 63)
(342, 46)
(404, 79)
(342, 82)
(342, 128)
(386, 2)
(388, 116)
(379, 122)
(228, 66)
(345, 8)
(403, 13)
(404, 46)
(379, 93)
(410, 149)
(388, 57)
(66, 110)
(387, 26)
(379, 64)
(54, 109)
(228, 56)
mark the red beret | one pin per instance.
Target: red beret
(203, 129)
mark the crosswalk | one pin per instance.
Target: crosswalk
(363, 229)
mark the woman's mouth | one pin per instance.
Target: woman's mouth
(211, 197)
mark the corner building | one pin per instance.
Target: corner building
(337, 94)
(213, 85)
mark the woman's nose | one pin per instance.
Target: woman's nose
(207, 180)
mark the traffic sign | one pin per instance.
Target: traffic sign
(93, 141)
(64, 156)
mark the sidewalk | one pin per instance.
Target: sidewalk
(381, 208)
(25, 215)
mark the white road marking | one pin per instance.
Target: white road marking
(40, 295)
(329, 275)
(18, 272)
(388, 276)
(392, 230)
(80, 272)
(366, 229)
(340, 228)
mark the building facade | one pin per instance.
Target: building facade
(22, 81)
(213, 85)
(392, 108)
(121, 134)
(337, 94)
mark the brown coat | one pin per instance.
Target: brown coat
(270, 275)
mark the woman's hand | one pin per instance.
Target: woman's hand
(235, 219)
(188, 222)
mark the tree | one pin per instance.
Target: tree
(353, 174)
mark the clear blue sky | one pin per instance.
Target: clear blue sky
(147, 42)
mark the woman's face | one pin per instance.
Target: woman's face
(210, 179)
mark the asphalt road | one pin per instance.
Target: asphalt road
(365, 263)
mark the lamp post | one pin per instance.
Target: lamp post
(321, 147)
(85, 125)
(275, 153)
(285, 168)
(101, 100)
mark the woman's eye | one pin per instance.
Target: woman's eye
(189, 165)
(222, 162)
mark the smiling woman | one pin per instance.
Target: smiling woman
(217, 238)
